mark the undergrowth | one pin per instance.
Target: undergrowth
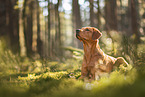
(60, 79)
(24, 77)
(60, 84)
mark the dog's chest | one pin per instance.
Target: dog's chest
(94, 61)
(97, 62)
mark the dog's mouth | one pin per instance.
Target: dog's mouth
(78, 36)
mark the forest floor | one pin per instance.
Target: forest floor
(56, 82)
(25, 77)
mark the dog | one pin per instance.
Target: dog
(95, 61)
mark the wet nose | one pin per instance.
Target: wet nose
(77, 31)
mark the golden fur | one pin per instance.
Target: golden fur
(95, 61)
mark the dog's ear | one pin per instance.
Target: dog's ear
(96, 34)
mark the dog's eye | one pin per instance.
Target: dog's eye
(87, 30)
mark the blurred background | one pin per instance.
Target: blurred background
(45, 29)
(41, 57)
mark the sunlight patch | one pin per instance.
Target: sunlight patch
(88, 86)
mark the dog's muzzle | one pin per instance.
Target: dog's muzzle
(77, 33)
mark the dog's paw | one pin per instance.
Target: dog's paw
(123, 68)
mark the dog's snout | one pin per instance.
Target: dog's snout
(77, 31)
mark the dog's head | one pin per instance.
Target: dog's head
(88, 33)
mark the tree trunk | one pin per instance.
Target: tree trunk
(34, 26)
(77, 23)
(12, 22)
(98, 15)
(27, 19)
(111, 19)
(134, 20)
(21, 34)
(92, 23)
(3, 17)
(39, 41)
(49, 30)
(111, 15)
(58, 30)
(134, 26)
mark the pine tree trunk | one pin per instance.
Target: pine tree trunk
(98, 15)
(111, 15)
(134, 20)
(77, 23)
(12, 16)
(92, 23)
(27, 19)
(39, 41)
(111, 19)
(134, 26)
(58, 30)
(49, 29)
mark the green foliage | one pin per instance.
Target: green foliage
(9, 62)
(23, 77)
(59, 84)
(64, 83)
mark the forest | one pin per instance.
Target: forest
(40, 55)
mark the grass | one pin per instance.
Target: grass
(60, 79)
(60, 84)
(24, 77)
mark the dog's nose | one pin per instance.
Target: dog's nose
(77, 31)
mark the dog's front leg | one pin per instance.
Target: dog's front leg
(84, 72)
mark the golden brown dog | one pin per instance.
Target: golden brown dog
(95, 61)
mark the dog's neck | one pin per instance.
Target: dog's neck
(91, 49)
